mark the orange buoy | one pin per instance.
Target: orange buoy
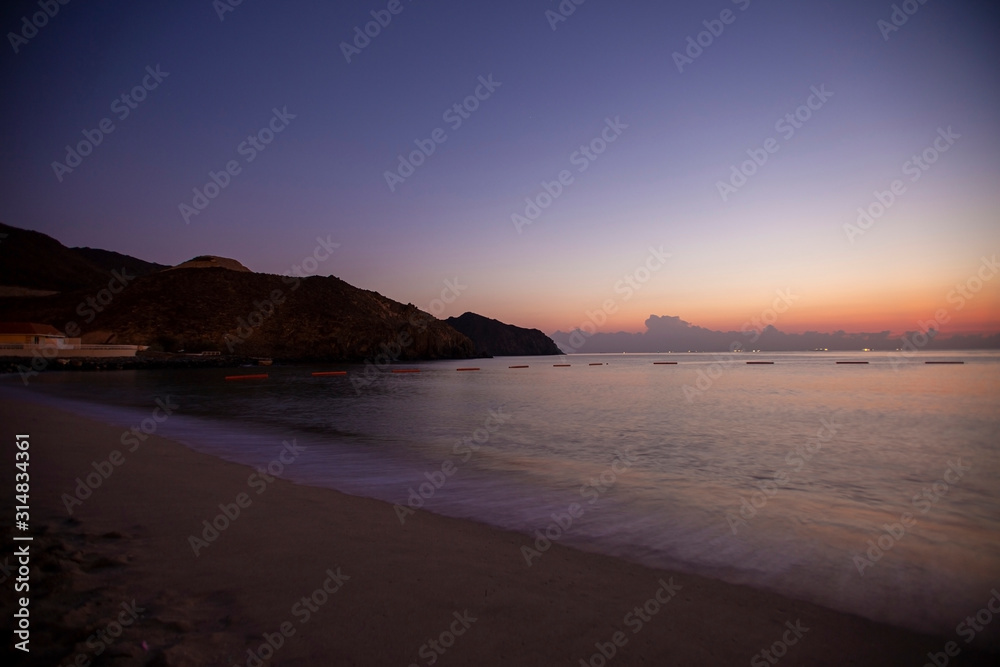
(326, 373)
(260, 376)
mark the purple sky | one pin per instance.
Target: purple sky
(606, 77)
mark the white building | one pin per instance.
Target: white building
(28, 339)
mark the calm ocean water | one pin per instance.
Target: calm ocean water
(793, 477)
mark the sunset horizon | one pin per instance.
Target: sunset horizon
(547, 333)
(969, 305)
(872, 219)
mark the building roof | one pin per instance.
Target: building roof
(29, 328)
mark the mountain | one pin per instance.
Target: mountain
(34, 260)
(492, 337)
(248, 314)
(212, 304)
(108, 261)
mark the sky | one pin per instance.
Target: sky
(606, 162)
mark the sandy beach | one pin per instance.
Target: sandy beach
(310, 576)
(559, 334)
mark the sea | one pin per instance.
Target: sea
(871, 488)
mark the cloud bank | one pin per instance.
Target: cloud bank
(666, 333)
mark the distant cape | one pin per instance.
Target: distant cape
(494, 338)
(216, 304)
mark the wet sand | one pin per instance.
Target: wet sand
(334, 579)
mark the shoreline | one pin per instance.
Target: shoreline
(30, 366)
(34, 365)
(386, 589)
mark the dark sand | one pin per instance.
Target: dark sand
(129, 541)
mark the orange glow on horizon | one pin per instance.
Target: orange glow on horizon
(950, 314)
